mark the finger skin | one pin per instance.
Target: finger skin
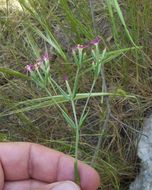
(32, 185)
(61, 185)
(24, 185)
(22, 161)
(1, 177)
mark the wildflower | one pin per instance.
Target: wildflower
(79, 47)
(29, 68)
(45, 57)
(65, 77)
(37, 65)
(39, 62)
(95, 41)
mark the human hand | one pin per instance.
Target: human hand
(28, 166)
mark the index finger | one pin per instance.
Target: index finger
(21, 161)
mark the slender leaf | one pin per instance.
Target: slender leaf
(59, 99)
(68, 119)
(13, 73)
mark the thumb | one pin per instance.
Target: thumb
(65, 185)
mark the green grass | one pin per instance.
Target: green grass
(56, 27)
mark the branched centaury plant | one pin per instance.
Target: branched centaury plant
(41, 75)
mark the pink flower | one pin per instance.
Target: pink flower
(45, 57)
(37, 65)
(95, 41)
(79, 47)
(65, 77)
(29, 68)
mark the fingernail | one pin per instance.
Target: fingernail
(68, 185)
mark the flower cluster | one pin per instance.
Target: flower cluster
(95, 41)
(80, 47)
(29, 68)
(38, 64)
(79, 55)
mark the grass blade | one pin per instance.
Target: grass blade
(119, 12)
(14, 73)
(59, 99)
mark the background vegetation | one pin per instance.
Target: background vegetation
(57, 26)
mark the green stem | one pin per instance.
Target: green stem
(76, 171)
(40, 76)
(72, 95)
(87, 101)
(52, 86)
(74, 112)
(76, 82)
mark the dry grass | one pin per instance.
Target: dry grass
(117, 162)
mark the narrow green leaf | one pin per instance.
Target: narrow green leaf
(76, 173)
(60, 99)
(32, 44)
(61, 90)
(119, 12)
(82, 119)
(47, 35)
(13, 73)
(68, 119)
(77, 26)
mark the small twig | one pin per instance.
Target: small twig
(104, 127)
